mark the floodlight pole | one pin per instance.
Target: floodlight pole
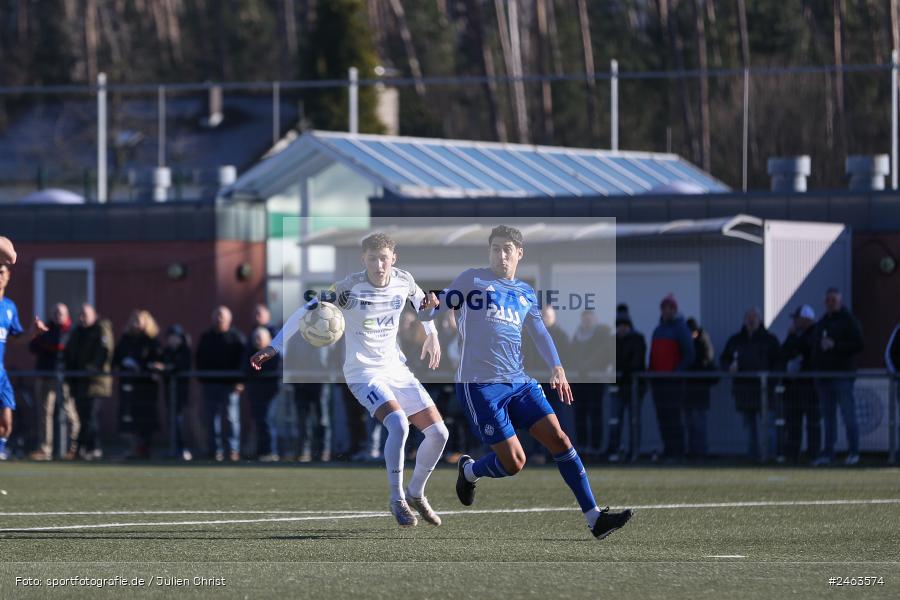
(353, 91)
(101, 137)
(614, 104)
(895, 65)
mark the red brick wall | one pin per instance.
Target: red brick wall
(875, 295)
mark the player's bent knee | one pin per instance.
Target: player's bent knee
(514, 464)
(441, 431)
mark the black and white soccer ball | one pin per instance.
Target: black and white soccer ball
(322, 326)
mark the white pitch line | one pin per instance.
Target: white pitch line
(179, 512)
(368, 515)
(726, 556)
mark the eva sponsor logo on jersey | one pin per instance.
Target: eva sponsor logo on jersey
(382, 322)
(3, 333)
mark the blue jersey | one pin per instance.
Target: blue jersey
(9, 325)
(491, 314)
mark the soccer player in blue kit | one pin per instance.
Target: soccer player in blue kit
(496, 394)
(9, 325)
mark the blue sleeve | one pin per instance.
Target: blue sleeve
(462, 284)
(541, 337)
(15, 328)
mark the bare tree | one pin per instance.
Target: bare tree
(838, 34)
(411, 57)
(745, 35)
(544, 65)
(699, 20)
(895, 24)
(677, 51)
(512, 58)
(589, 70)
(475, 23)
(91, 39)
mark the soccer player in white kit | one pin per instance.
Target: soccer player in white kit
(375, 369)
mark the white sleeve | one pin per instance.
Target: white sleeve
(291, 326)
(416, 295)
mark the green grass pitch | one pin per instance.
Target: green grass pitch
(323, 532)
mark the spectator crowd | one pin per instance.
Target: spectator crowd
(217, 407)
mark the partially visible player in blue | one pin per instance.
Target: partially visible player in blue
(495, 392)
(9, 325)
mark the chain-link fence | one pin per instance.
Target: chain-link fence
(728, 121)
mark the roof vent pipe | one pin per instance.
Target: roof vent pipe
(867, 172)
(789, 173)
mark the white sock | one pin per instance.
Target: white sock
(469, 473)
(427, 456)
(397, 428)
(592, 516)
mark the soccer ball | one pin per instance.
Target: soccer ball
(322, 326)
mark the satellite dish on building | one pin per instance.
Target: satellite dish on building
(52, 196)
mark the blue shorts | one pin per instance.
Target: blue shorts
(7, 398)
(496, 410)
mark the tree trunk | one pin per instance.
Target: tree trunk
(839, 86)
(589, 70)
(411, 57)
(475, 21)
(895, 24)
(677, 50)
(699, 19)
(544, 66)
(513, 69)
(91, 40)
(745, 35)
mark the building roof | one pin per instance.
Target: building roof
(743, 227)
(428, 167)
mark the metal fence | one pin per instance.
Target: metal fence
(639, 426)
(745, 119)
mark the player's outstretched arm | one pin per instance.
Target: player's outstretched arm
(291, 326)
(547, 349)
(425, 303)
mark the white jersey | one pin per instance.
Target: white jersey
(372, 319)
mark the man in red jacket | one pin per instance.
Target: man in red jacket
(671, 350)
(47, 346)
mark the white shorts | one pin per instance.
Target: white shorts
(399, 385)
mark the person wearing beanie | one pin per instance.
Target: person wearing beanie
(799, 393)
(671, 351)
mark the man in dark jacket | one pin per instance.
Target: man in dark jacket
(631, 358)
(588, 353)
(799, 393)
(752, 349)
(90, 348)
(671, 351)
(838, 339)
(47, 346)
(696, 401)
(220, 349)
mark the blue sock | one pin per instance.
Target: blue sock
(572, 471)
(489, 466)
(2, 444)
